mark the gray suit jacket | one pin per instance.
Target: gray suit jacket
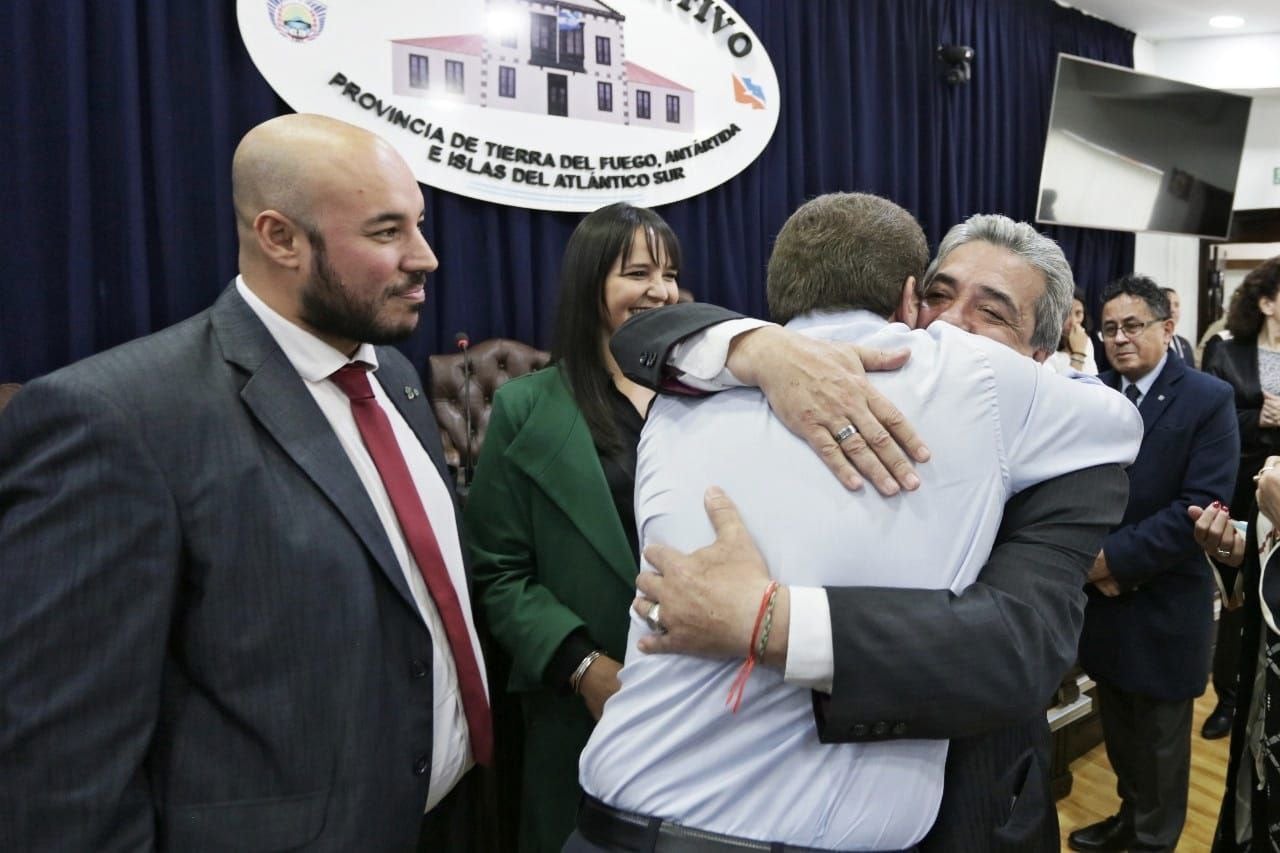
(207, 641)
(978, 668)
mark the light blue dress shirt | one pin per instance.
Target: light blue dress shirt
(996, 422)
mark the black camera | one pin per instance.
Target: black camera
(956, 58)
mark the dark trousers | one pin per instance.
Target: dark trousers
(1226, 656)
(450, 826)
(1149, 745)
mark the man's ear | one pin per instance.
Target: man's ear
(1040, 355)
(279, 239)
(908, 310)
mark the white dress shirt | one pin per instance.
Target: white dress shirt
(996, 421)
(1146, 381)
(1060, 361)
(315, 362)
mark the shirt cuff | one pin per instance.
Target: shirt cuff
(701, 358)
(810, 659)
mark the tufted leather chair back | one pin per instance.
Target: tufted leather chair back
(494, 362)
(7, 390)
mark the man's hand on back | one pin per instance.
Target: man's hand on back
(817, 388)
(710, 598)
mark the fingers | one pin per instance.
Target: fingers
(723, 515)
(872, 449)
(881, 359)
(662, 558)
(823, 442)
(654, 644)
(649, 585)
(1195, 512)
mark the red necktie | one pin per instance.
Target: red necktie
(375, 429)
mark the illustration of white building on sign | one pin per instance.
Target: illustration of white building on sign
(544, 57)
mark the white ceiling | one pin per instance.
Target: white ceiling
(1157, 20)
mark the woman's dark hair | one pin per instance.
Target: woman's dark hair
(578, 340)
(1244, 317)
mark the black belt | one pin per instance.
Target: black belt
(617, 830)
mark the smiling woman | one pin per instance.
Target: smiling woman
(550, 513)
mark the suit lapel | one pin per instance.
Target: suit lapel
(280, 401)
(405, 392)
(1162, 393)
(1156, 401)
(554, 448)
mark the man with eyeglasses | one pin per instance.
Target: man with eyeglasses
(1150, 613)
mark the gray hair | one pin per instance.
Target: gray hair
(1039, 251)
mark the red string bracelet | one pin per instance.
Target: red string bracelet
(756, 650)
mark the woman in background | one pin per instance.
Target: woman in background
(1249, 575)
(550, 512)
(1250, 361)
(1075, 350)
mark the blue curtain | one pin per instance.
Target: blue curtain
(119, 121)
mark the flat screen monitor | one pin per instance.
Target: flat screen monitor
(1136, 152)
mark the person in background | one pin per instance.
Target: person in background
(1178, 345)
(1075, 349)
(550, 517)
(1150, 613)
(1249, 819)
(1250, 362)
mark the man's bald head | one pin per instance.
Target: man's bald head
(329, 217)
(289, 164)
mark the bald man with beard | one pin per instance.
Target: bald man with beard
(223, 626)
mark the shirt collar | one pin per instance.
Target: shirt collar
(314, 359)
(1145, 382)
(837, 325)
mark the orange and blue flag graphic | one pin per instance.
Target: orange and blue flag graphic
(745, 91)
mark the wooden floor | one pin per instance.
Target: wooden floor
(1093, 792)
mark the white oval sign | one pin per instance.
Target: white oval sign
(548, 105)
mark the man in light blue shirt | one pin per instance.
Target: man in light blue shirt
(667, 746)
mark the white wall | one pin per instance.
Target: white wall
(1256, 186)
(1231, 62)
(1223, 62)
(1256, 252)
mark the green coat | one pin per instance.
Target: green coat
(549, 555)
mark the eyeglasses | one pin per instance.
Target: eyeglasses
(1131, 328)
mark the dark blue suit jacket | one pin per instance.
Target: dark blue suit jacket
(1154, 638)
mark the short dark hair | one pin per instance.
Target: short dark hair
(1244, 317)
(578, 342)
(1139, 287)
(844, 251)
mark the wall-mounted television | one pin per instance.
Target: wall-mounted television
(1135, 152)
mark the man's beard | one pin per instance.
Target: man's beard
(329, 307)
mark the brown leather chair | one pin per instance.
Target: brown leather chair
(493, 362)
(7, 390)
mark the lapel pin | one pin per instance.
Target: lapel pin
(1161, 397)
(411, 392)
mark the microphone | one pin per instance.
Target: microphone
(463, 342)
